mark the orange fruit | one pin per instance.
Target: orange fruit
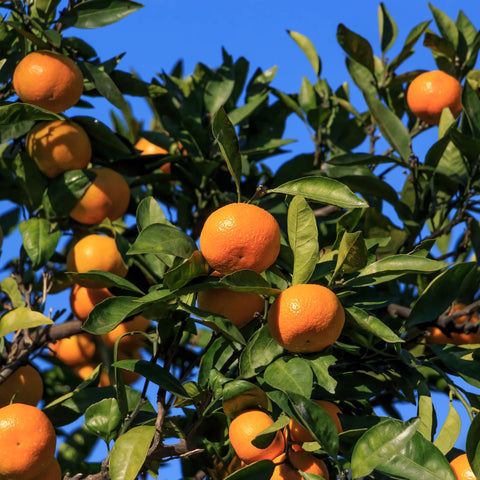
(25, 385)
(51, 472)
(48, 80)
(306, 318)
(86, 370)
(239, 307)
(240, 236)
(298, 433)
(83, 299)
(308, 463)
(431, 92)
(462, 469)
(149, 148)
(96, 252)
(107, 197)
(75, 350)
(129, 342)
(58, 146)
(245, 427)
(435, 335)
(28, 442)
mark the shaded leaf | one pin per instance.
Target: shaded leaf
(39, 240)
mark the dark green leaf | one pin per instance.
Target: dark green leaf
(356, 46)
(40, 240)
(256, 471)
(248, 281)
(105, 279)
(473, 445)
(218, 89)
(320, 366)
(190, 269)
(361, 320)
(23, 112)
(388, 28)
(149, 211)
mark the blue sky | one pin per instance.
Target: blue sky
(157, 36)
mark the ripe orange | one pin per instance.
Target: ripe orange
(129, 342)
(83, 299)
(52, 472)
(462, 469)
(298, 433)
(238, 307)
(28, 442)
(245, 427)
(435, 336)
(107, 197)
(25, 385)
(149, 148)
(240, 236)
(85, 370)
(58, 146)
(308, 463)
(96, 252)
(48, 80)
(431, 92)
(75, 350)
(306, 318)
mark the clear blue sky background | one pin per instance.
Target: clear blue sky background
(157, 36)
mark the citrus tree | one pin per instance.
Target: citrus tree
(245, 321)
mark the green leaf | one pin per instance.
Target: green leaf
(129, 453)
(98, 13)
(440, 293)
(248, 281)
(445, 25)
(155, 373)
(407, 49)
(473, 446)
(307, 97)
(105, 85)
(450, 431)
(149, 212)
(10, 287)
(241, 113)
(292, 376)
(361, 320)
(256, 471)
(105, 279)
(21, 317)
(160, 239)
(303, 239)
(322, 189)
(356, 46)
(103, 419)
(190, 269)
(352, 253)
(380, 443)
(308, 49)
(22, 112)
(388, 28)
(39, 240)
(471, 107)
(390, 126)
(226, 137)
(320, 366)
(218, 89)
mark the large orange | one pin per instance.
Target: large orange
(245, 427)
(306, 318)
(96, 252)
(239, 307)
(240, 236)
(51, 472)
(435, 335)
(107, 197)
(431, 92)
(462, 469)
(83, 299)
(25, 385)
(48, 80)
(58, 146)
(75, 350)
(129, 342)
(298, 433)
(27, 440)
(149, 148)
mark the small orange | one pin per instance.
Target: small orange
(28, 442)
(245, 427)
(75, 350)
(306, 318)
(129, 342)
(83, 299)
(462, 469)
(51, 472)
(58, 146)
(107, 197)
(430, 92)
(308, 463)
(25, 385)
(86, 370)
(96, 252)
(239, 307)
(48, 80)
(240, 236)
(298, 433)
(149, 148)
